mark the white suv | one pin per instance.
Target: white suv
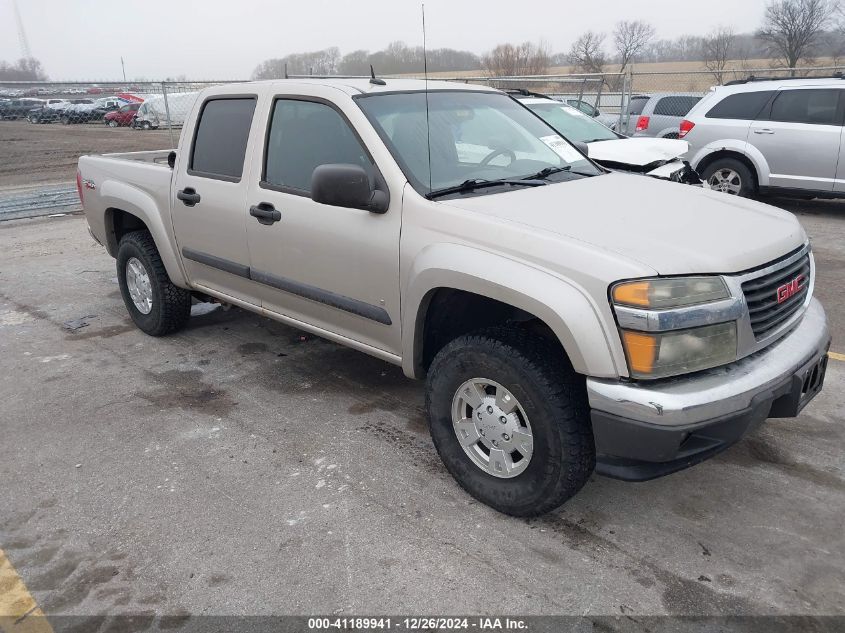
(770, 136)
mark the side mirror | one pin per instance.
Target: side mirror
(348, 186)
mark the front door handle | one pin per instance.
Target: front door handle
(265, 213)
(764, 130)
(188, 196)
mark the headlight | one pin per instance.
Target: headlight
(672, 326)
(669, 292)
(663, 354)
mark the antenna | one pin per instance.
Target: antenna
(427, 119)
(27, 53)
(375, 80)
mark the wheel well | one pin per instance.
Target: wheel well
(725, 153)
(118, 224)
(447, 313)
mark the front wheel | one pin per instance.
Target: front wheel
(156, 305)
(510, 420)
(112, 123)
(730, 176)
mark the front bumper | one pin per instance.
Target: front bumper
(645, 430)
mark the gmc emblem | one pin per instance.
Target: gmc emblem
(788, 290)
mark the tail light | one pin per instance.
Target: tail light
(642, 124)
(686, 128)
(79, 185)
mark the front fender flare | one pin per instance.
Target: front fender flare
(562, 305)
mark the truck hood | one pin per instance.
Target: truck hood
(669, 227)
(637, 152)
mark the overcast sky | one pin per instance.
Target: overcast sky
(226, 39)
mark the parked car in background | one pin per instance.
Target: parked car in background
(153, 113)
(659, 158)
(658, 115)
(86, 110)
(50, 111)
(123, 116)
(18, 108)
(770, 136)
(592, 111)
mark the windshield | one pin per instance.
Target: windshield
(573, 124)
(475, 136)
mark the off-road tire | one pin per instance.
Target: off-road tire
(554, 399)
(171, 305)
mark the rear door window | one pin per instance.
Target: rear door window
(745, 106)
(675, 105)
(221, 137)
(819, 107)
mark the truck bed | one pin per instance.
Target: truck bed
(135, 182)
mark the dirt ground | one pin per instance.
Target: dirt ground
(40, 154)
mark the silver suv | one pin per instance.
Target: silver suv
(770, 136)
(658, 115)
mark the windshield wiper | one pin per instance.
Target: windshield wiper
(547, 171)
(474, 183)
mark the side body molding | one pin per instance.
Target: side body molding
(564, 307)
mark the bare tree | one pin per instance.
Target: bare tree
(791, 28)
(522, 59)
(716, 50)
(630, 38)
(25, 69)
(587, 53)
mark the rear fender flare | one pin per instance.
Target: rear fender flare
(125, 197)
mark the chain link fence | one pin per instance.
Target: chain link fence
(46, 126)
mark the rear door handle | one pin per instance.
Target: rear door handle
(188, 196)
(764, 131)
(265, 213)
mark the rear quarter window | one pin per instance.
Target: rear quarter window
(675, 105)
(221, 137)
(637, 106)
(745, 106)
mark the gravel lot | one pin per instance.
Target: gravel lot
(241, 467)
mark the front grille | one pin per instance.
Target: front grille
(769, 304)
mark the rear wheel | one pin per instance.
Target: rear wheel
(510, 420)
(156, 305)
(730, 176)
(112, 123)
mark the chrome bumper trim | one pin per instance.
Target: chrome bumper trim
(715, 392)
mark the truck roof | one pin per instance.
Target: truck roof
(362, 85)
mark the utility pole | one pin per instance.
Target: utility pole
(123, 66)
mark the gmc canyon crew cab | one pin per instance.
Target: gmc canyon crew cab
(564, 318)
